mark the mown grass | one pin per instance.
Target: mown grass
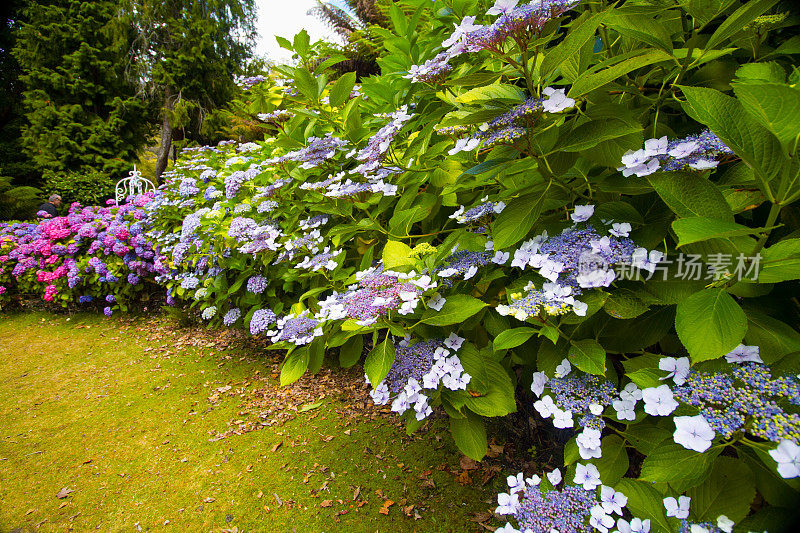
(88, 403)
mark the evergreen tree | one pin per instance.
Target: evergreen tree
(82, 112)
(185, 55)
(14, 164)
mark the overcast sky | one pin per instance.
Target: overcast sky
(285, 18)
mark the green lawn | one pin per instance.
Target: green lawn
(123, 413)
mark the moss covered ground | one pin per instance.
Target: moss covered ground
(141, 425)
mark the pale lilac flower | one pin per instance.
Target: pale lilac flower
(787, 455)
(502, 6)
(454, 342)
(640, 258)
(631, 393)
(554, 477)
(636, 525)
(620, 229)
(654, 147)
(744, 354)
(626, 410)
(703, 164)
(380, 394)
(600, 520)
(582, 213)
(587, 475)
(464, 145)
(467, 25)
(725, 523)
(683, 149)
(557, 100)
(589, 443)
(678, 508)
(507, 503)
(580, 308)
(516, 483)
(612, 501)
(658, 401)
(563, 369)
(436, 302)
(678, 368)
(545, 406)
(500, 258)
(508, 528)
(562, 419)
(538, 383)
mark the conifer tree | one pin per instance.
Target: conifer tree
(82, 111)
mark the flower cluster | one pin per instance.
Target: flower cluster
(696, 152)
(578, 508)
(747, 398)
(91, 253)
(419, 367)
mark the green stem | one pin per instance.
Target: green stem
(774, 210)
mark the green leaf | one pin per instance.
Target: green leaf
(776, 107)
(672, 463)
(294, 366)
(645, 502)
(780, 262)
(695, 229)
(350, 352)
(517, 219)
(590, 134)
(594, 80)
(729, 489)
(726, 117)
(689, 195)
(306, 83)
(710, 324)
(495, 91)
(613, 464)
(641, 28)
(738, 20)
(774, 338)
(455, 310)
(581, 32)
(491, 382)
(511, 338)
(341, 89)
(589, 356)
(469, 434)
(646, 436)
(379, 361)
(624, 304)
(396, 254)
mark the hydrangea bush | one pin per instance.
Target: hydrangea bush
(95, 256)
(585, 208)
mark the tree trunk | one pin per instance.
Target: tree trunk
(166, 135)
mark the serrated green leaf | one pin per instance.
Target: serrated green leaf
(728, 490)
(350, 351)
(455, 310)
(379, 361)
(689, 195)
(589, 356)
(469, 434)
(696, 229)
(396, 254)
(341, 89)
(517, 219)
(645, 502)
(672, 463)
(710, 324)
(511, 338)
(294, 366)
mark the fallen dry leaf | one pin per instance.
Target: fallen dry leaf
(29, 512)
(63, 493)
(326, 503)
(385, 507)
